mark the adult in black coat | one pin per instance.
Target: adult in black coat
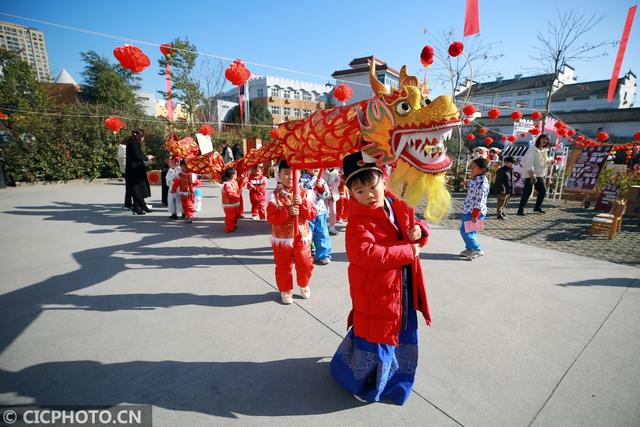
(135, 173)
(504, 185)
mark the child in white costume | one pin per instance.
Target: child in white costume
(174, 205)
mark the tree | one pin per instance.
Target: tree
(259, 116)
(185, 85)
(211, 75)
(19, 88)
(560, 45)
(109, 85)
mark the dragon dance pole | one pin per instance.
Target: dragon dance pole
(296, 192)
(167, 73)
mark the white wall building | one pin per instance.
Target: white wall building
(357, 77)
(29, 44)
(593, 95)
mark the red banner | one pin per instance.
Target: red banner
(471, 19)
(621, 49)
(169, 104)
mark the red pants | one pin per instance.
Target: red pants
(188, 207)
(258, 208)
(341, 208)
(284, 256)
(231, 216)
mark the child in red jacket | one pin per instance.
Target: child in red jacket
(378, 358)
(257, 193)
(291, 247)
(184, 184)
(231, 197)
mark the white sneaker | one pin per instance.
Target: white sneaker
(305, 292)
(333, 231)
(287, 297)
(474, 254)
(465, 253)
(255, 218)
(359, 399)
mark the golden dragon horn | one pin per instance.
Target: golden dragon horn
(378, 88)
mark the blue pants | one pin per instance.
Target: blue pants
(321, 237)
(470, 239)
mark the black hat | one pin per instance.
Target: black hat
(354, 163)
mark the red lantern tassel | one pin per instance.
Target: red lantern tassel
(240, 100)
(167, 74)
(621, 49)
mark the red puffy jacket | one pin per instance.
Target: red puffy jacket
(376, 257)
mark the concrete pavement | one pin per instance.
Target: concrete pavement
(101, 307)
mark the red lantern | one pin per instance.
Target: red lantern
(602, 136)
(114, 124)
(469, 109)
(166, 49)
(427, 56)
(512, 138)
(516, 115)
(342, 92)
(562, 133)
(466, 121)
(205, 129)
(488, 140)
(536, 115)
(504, 137)
(580, 138)
(559, 125)
(274, 133)
(131, 58)
(523, 135)
(455, 49)
(154, 177)
(482, 131)
(237, 73)
(636, 136)
(3, 116)
(534, 131)
(494, 113)
(470, 137)
(571, 132)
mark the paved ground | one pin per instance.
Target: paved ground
(564, 227)
(98, 307)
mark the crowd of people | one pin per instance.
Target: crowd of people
(377, 359)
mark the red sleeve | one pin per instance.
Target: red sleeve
(425, 233)
(308, 210)
(364, 252)
(176, 184)
(277, 215)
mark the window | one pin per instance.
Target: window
(540, 102)
(488, 97)
(507, 94)
(306, 96)
(260, 92)
(296, 112)
(307, 113)
(275, 109)
(505, 105)
(287, 111)
(522, 104)
(524, 92)
(296, 94)
(580, 98)
(275, 91)
(319, 97)
(540, 91)
(380, 77)
(559, 99)
(287, 94)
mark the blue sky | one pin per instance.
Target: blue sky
(315, 37)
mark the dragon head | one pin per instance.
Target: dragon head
(406, 127)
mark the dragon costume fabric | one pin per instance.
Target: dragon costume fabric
(400, 127)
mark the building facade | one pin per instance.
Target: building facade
(286, 99)
(29, 44)
(357, 77)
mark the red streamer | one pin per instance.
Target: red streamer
(471, 19)
(169, 104)
(621, 49)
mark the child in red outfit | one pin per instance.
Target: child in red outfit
(231, 197)
(185, 183)
(291, 247)
(378, 358)
(257, 193)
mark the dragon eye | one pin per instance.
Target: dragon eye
(425, 102)
(403, 108)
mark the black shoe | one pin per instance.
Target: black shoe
(520, 213)
(174, 216)
(183, 216)
(501, 218)
(539, 210)
(138, 212)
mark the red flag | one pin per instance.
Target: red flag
(623, 46)
(471, 19)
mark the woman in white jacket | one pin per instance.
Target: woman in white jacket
(535, 165)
